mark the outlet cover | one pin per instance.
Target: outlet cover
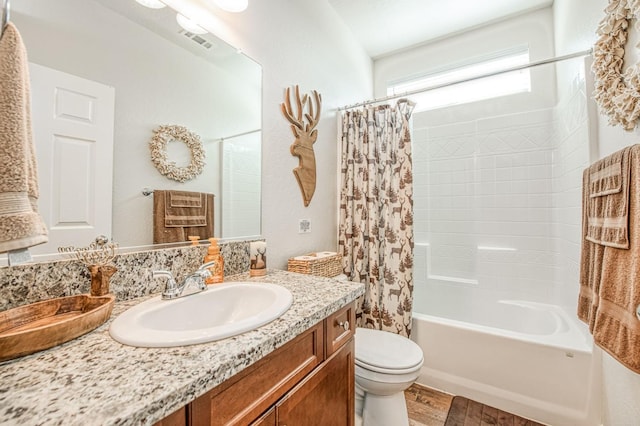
(304, 226)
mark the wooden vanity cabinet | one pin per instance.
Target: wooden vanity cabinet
(339, 327)
(325, 397)
(308, 381)
(177, 418)
(244, 397)
(267, 419)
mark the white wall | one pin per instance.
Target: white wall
(297, 42)
(534, 29)
(575, 23)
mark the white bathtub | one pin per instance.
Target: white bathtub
(527, 358)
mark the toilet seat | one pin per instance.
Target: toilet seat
(386, 353)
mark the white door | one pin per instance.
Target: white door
(72, 121)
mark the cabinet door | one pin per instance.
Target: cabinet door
(178, 418)
(248, 394)
(326, 397)
(268, 419)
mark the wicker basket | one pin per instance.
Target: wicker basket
(326, 266)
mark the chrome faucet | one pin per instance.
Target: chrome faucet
(172, 290)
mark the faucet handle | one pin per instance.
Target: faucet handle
(204, 269)
(162, 273)
(171, 282)
(207, 265)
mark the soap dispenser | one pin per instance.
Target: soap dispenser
(217, 270)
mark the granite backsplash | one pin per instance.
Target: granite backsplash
(29, 283)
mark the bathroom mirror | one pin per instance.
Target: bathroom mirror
(161, 74)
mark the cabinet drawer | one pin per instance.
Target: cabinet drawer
(340, 327)
(248, 394)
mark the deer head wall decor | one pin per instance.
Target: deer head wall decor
(303, 125)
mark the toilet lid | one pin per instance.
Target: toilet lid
(384, 350)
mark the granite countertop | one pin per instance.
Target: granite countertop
(94, 380)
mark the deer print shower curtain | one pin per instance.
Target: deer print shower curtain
(376, 213)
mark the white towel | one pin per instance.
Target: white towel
(20, 224)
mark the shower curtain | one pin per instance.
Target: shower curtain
(376, 213)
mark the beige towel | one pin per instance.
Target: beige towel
(177, 215)
(182, 208)
(610, 278)
(20, 224)
(607, 207)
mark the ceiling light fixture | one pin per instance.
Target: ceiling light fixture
(189, 25)
(232, 5)
(152, 4)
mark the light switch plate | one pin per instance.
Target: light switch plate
(19, 256)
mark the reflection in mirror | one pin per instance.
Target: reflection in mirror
(158, 74)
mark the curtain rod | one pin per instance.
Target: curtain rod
(464, 80)
(236, 135)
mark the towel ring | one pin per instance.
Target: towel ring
(6, 12)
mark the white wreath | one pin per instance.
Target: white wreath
(617, 93)
(158, 145)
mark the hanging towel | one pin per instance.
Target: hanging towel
(610, 276)
(607, 206)
(185, 209)
(20, 224)
(177, 215)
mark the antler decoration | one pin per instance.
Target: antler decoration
(97, 257)
(96, 253)
(306, 135)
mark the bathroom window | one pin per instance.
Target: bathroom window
(471, 89)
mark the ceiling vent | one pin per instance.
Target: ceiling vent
(196, 38)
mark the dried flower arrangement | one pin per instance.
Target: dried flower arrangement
(617, 92)
(158, 145)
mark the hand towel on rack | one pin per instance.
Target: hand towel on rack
(607, 207)
(183, 208)
(20, 224)
(610, 276)
(180, 214)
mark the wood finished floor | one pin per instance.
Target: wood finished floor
(429, 407)
(466, 412)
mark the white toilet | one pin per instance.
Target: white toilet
(386, 365)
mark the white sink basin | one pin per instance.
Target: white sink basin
(221, 311)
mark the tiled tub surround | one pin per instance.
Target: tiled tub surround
(94, 380)
(497, 220)
(497, 205)
(29, 283)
